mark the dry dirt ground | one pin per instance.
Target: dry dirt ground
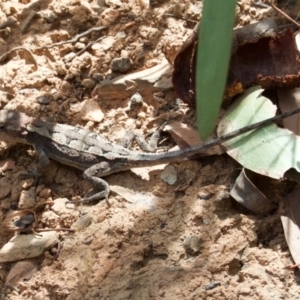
(188, 240)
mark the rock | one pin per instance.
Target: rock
(109, 16)
(45, 98)
(91, 111)
(79, 46)
(88, 83)
(27, 198)
(27, 246)
(136, 100)
(212, 285)
(169, 175)
(121, 64)
(106, 43)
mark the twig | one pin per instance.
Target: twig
(169, 156)
(294, 266)
(238, 132)
(261, 4)
(26, 223)
(180, 18)
(82, 50)
(73, 40)
(4, 56)
(285, 15)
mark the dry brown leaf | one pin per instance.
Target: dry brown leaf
(262, 53)
(185, 136)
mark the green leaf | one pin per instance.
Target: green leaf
(214, 47)
(269, 151)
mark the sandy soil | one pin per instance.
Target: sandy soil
(189, 240)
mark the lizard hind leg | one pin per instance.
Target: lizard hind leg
(101, 188)
(150, 146)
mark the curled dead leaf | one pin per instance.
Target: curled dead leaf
(262, 54)
(246, 192)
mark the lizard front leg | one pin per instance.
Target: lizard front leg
(43, 162)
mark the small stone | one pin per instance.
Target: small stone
(114, 3)
(106, 44)
(69, 56)
(121, 64)
(27, 198)
(84, 40)
(109, 16)
(27, 246)
(97, 77)
(50, 17)
(91, 111)
(136, 100)
(212, 285)
(44, 99)
(204, 195)
(192, 245)
(45, 193)
(88, 83)
(120, 35)
(206, 221)
(27, 183)
(79, 46)
(169, 175)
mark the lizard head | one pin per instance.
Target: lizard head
(12, 125)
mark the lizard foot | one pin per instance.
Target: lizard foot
(97, 196)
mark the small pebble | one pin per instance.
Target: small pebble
(44, 99)
(79, 46)
(206, 221)
(136, 100)
(169, 175)
(88, 83)
(27, 198)
(91, 111)
(121, 64)
(212, 285)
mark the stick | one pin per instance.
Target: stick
(73, 40)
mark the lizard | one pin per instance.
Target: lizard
(93, 154)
